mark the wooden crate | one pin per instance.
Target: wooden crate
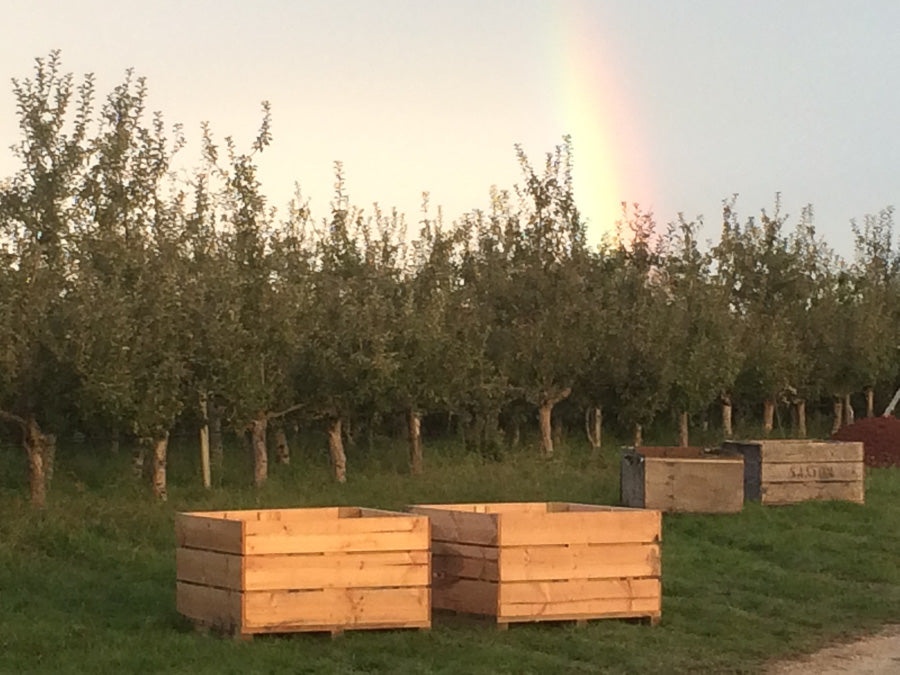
(315, 569)
(545, 561)
(790, 471)
(682, 480)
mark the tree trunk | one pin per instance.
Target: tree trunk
(768, 416)
(416, 463)
(849, 415)
(260, 453)
(282, 449)
(204, 441)
(49, 458)
(37, 446)
(370, 433)
(727, 416)
(160, 448)
(870, 402)
(515, 436)
(349, 433)
(137, 459)
(336, 448)
(40, 448)
(545, 414)
(800, 407)
(683, 430)
(593, 425)
(838, 408)
(216, 448)
(546, 431)
(114, 442)
(490, 433)
(638, 436)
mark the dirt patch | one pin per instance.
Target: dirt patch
(880, 437)
(878, 654)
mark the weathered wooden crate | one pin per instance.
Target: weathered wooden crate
(545, 561)
(691, 480)
(789, 471)
(314, 569)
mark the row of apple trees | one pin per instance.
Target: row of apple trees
(134, 296)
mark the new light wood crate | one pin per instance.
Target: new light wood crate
(540, 561)
(790, 471)
(691, 480)
(313, 569)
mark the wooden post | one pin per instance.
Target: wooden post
(204, 441)
(416, 464)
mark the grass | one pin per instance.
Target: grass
(88, 585)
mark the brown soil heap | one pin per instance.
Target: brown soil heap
(880, 437)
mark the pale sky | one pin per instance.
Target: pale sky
(675, 104)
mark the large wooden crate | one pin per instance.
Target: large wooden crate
(789, 471)
(682, 480)
(314, 569)
(545, 561)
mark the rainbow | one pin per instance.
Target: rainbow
(595, 112)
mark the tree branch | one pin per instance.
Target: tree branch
(272, 416)
(14, 419)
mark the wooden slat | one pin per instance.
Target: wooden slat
(810, 451)
(465, 550)
(460, 526)
(268, 515)
(337, 608)
(217, 607)
(214, 534)
(209, 568)
(600, 527)
(803, 472)
(574, 507)
(631, 480)
(336, 570)
(790, 493)
(468, 568)
(675, 452)
(581, 589)
(350, 526)
(346, 536)
(580, 609)
(470, 596)
(488, 507)
(579, 561)
(694, 485)
(334, 629)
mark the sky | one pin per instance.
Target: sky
(673, 104)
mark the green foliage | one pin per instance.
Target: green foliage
(702, 341)
(129, 293)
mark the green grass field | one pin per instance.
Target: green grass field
(88, 586)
